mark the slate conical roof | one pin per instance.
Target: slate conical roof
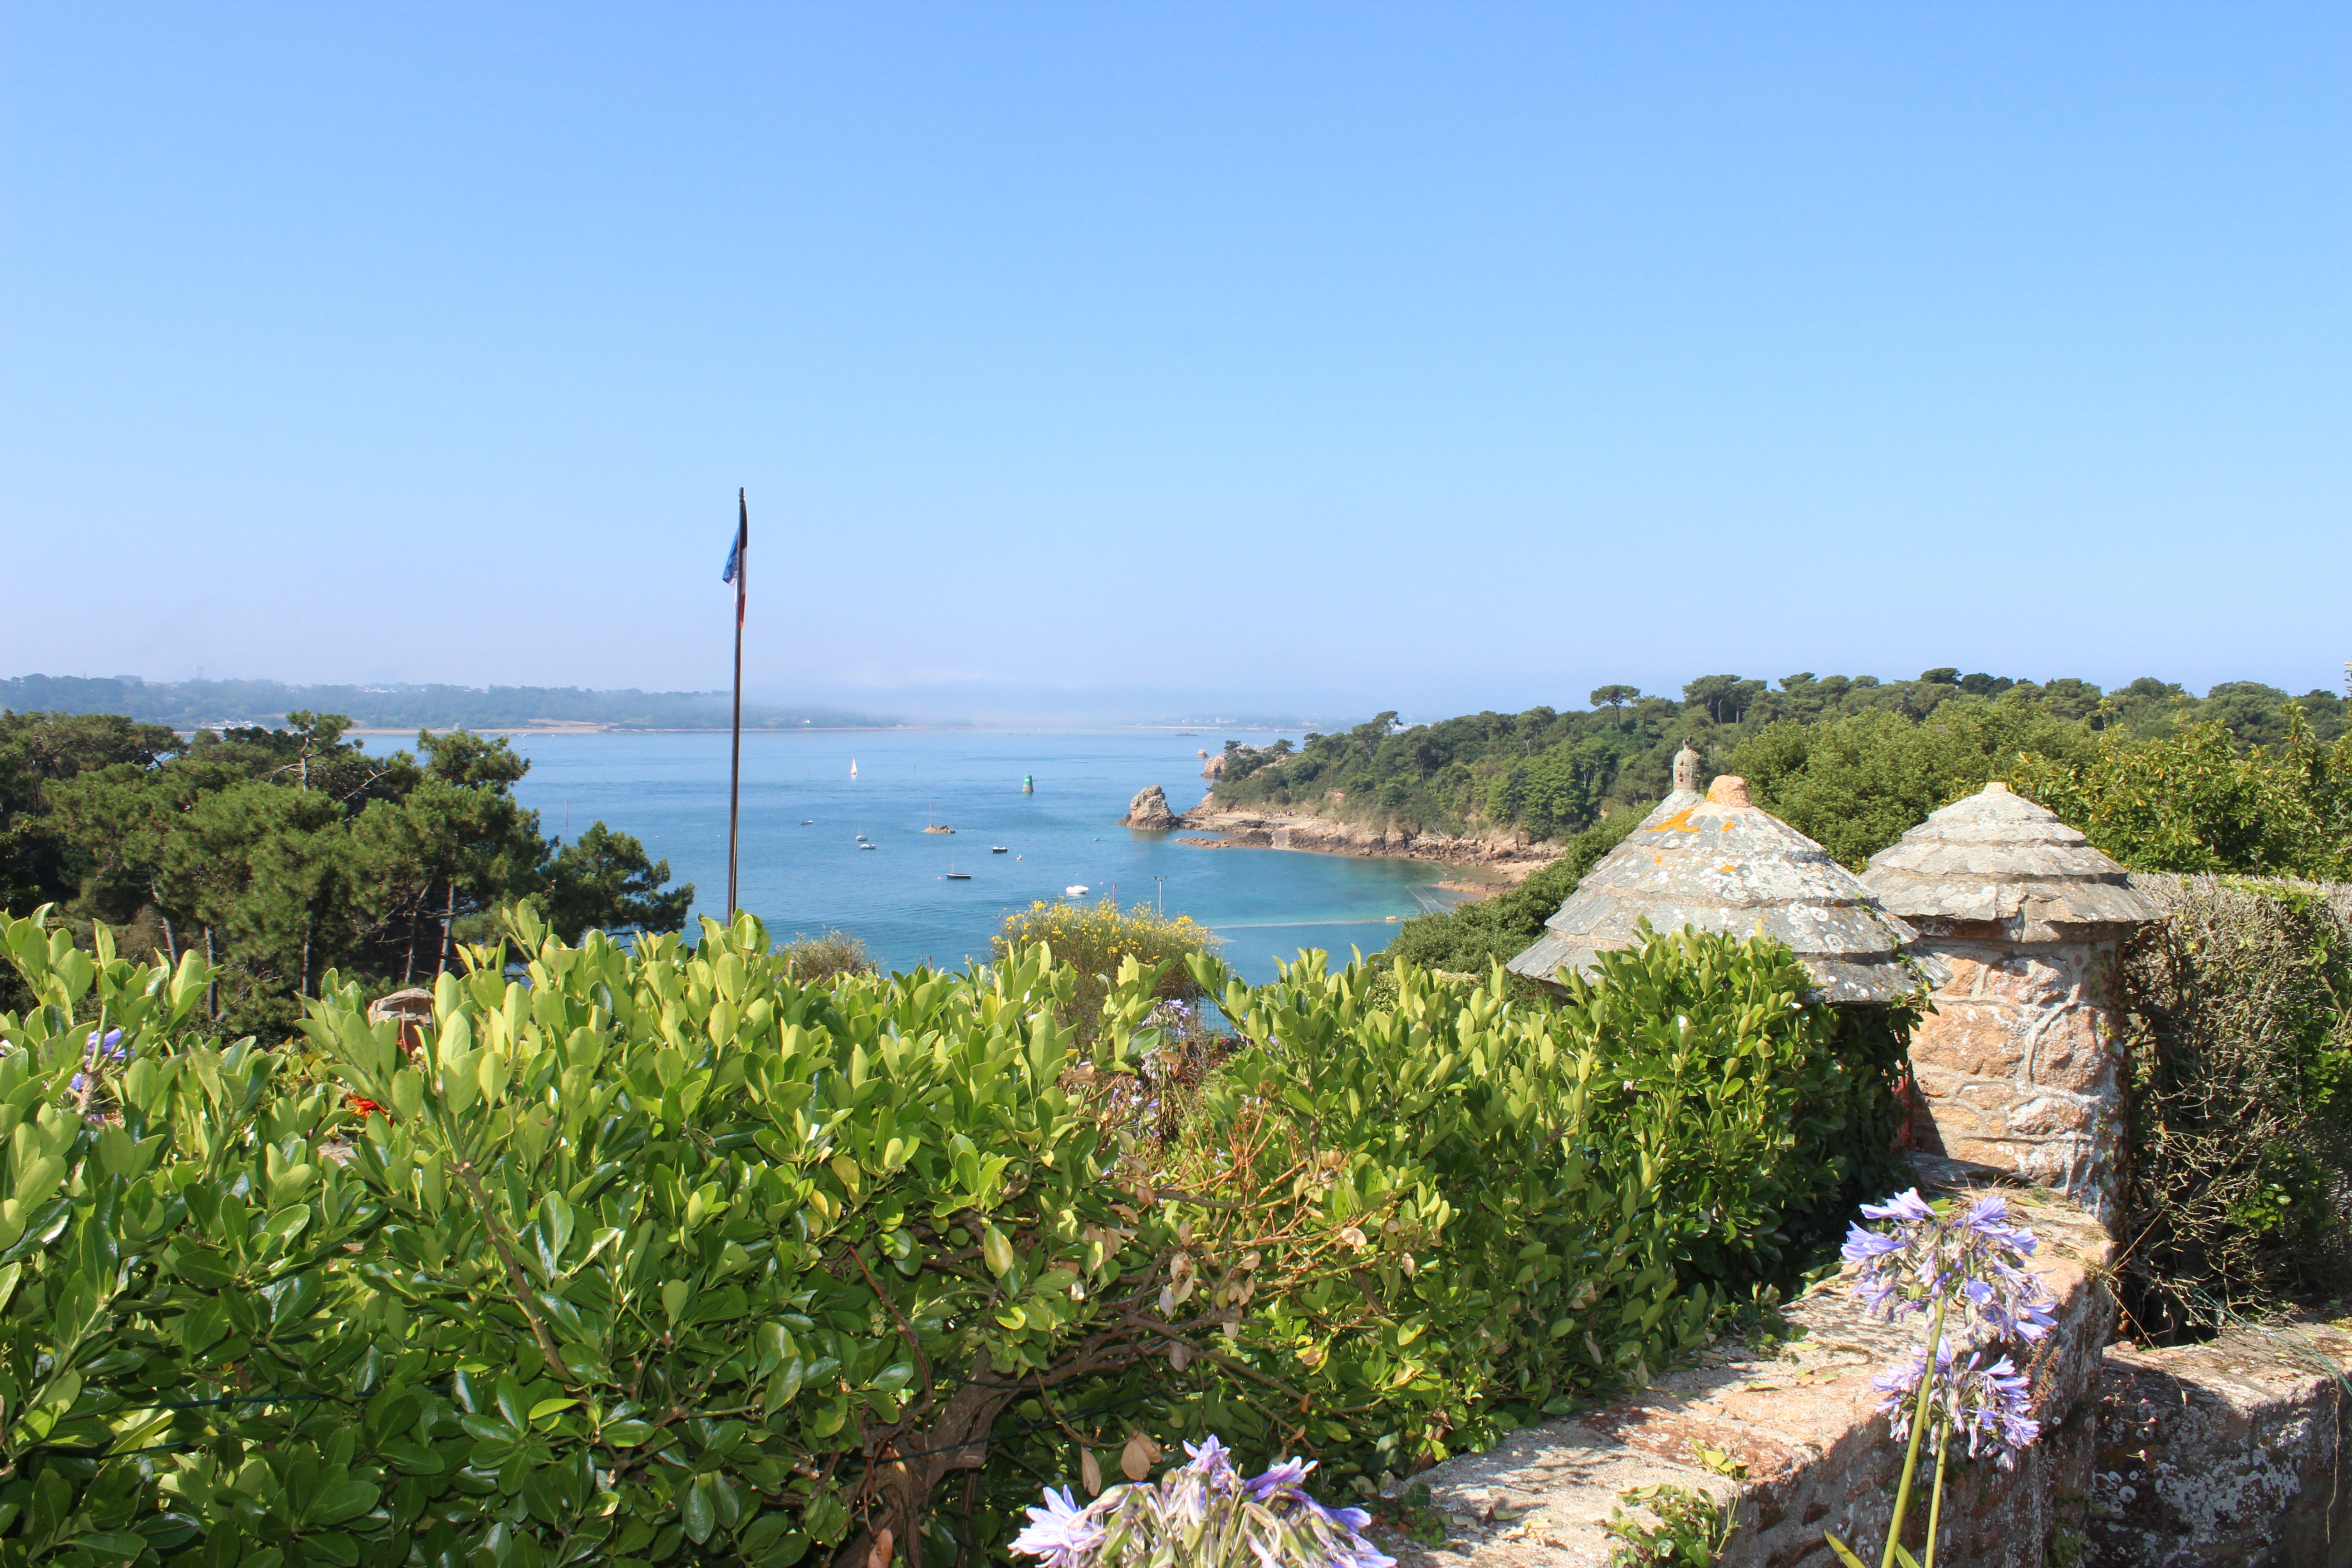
(1717, 863)
(1997, 857)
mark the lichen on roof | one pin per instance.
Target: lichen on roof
(1719, 864)
(1998, 858)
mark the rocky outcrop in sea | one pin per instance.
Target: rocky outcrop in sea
(1149, 809)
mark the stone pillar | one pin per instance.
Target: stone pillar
(2017, 1066)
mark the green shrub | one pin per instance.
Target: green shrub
(2191, 802)
(827, 956)
(1096, 938)
(1547, 1203)
(1856, 785)
(657, 1255)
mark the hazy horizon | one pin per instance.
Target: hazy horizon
(1320, 359)
(1008, 708)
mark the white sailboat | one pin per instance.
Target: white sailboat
(853, 767)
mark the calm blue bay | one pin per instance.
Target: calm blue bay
(802, 870)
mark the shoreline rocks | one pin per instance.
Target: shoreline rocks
(1504, 856)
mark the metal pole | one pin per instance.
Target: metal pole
(735, 771)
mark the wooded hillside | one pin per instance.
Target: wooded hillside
(1551, 774)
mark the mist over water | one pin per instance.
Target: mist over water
(670, 790)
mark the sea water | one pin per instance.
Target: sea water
(801, 871)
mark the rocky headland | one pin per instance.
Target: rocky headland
(1491, 861)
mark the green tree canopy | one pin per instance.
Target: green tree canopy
(2193, 802)
(1550, 773)
(1856, 785)
(278, 855)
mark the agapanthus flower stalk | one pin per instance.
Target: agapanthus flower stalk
(1201, 1514)
(1964, 1272)
(1976, 1397)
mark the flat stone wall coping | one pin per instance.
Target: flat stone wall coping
(2231, 1452)
(1801, 1415)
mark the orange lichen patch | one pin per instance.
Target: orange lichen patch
(1725, 866)
(1679, 822)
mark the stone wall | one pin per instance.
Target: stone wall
(2226, 1453)
(1802, 1416)
(2236, 1451)
(2018, 1067)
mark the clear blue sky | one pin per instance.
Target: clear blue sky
(1433, 357)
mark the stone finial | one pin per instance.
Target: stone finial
(1686, 770)
(1719, 864)
(413, 1005)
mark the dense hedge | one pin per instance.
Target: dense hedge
(2238, 1019)
(659, 1256)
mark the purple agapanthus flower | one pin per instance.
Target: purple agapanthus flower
(1904, 1208)
(1218, 1515)
(96, 1049)
(1973, 1262)
(1061, 1534)
(1983, 1403)
(1287, 1479)
(1213, 1462)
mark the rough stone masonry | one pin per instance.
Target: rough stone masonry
(2018, 1067)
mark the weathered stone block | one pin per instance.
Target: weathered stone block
(2051, 1115)
(1991, 1100)
(2002, 1154)
(1980, 1039)
(2017, 1068)
(2028, 977)
(2231, 1452)
(2074, 1049)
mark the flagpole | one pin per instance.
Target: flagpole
(735, 773)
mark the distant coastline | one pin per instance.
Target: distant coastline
(397, 709)
(563, 728)
(402, 709)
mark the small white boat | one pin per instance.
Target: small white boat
(853, 767)
(1077, 890)
(869, 847)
